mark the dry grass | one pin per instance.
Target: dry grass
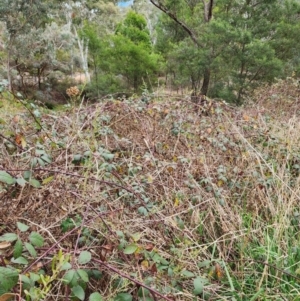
(194, 186)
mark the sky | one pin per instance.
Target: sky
(125, 3)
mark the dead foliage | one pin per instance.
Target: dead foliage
(173, 177)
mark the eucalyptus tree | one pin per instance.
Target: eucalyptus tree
(19, 17)
(32, 40)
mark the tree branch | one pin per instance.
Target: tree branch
(165, 10)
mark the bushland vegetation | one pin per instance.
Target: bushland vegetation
(170, 171)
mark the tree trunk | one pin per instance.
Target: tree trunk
(83, 49)
(207, 13)
(205, 84)
(8, 71)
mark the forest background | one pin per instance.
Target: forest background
(222, 49)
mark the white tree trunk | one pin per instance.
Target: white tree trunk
(8, 70)
(83, 49)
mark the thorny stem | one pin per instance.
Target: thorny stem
(48, 251)
(151, 290)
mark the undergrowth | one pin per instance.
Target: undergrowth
(161, 199)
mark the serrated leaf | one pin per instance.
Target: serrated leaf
(187, 274)
(22, 227)
(84, 257)
(130, 249)
(18, 248)
(6, 178)
(36, 239)
(33, 162)
(78, 292)
(19, 260)
(123, 297)
(30, 248)
(95, 274)
(9, 237)
(66, 266)
(46, 158)
(68, 277)
(21, 182)
(83, 275)
(87, 153)
(34, 277)
(198, 286)
(35, 183)
(25, 279)
(39, 152)
(107, 156)
(164, 261)
(27, 174)
(95, 297)
(41, 162)
(8, 279)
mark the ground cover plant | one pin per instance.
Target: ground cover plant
(152, 198)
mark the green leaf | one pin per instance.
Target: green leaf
(83, 275)
(21, 182)
(35, 183)
(107, 156)
(130, 249)
(22, 227)
(27, 174)
(66, 266)
(164, 261)
(78, 292)
(37, 113)
(46, 158)
(123, 297)
(187, 274)
(41, 162)
(34, 277)
(9, 237)
(8, 279)
(84, 257)
(204, 264)
(198, 286)
(95, 297)
(36, 239)
(68, 277)
(6, 178)
(76, 158)
(30, 248)
(143, 210)
(18, 248)
(33, 163)
(87, 153)
(39, 152)
(67, 224)
(25, 279)
(143, 293)
(19, 260)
